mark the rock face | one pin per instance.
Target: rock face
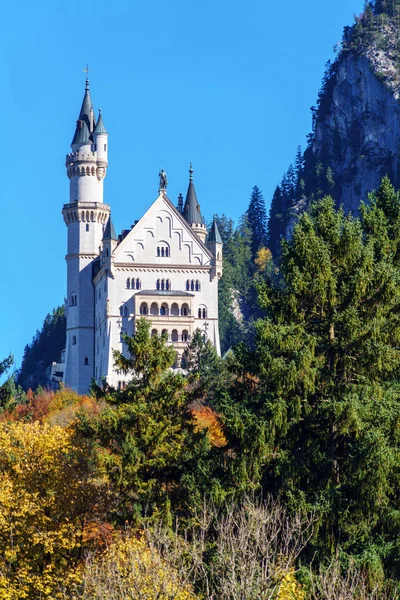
(355, 139)
(364, 118)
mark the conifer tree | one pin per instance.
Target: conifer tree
(144, 435)
(7, 387)
(321, 407)
(276, 226)
(257, 220)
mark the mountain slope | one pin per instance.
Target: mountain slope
(355, 138)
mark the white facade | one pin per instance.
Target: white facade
(161, 270)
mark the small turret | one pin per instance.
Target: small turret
(180, 203)
(191, 210)
(110, 241)
(100, 141)
(214, 244)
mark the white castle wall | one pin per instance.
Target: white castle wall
(161, 246)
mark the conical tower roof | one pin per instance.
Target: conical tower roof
(214, 235)
(86, 114)
(191, 210)
(109, 232)
(82, 135)
(100, 124)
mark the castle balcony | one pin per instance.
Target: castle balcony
(164, 304)
(167, 319)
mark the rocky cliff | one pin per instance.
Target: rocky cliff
(355, 139)
(366, 116)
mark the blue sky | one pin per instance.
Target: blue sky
(226, 85)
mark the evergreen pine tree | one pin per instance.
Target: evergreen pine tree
(257, 220)
(144, 434)
(7, 387)
(276, 223)
(321, 407)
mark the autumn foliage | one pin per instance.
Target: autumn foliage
(206, 419)
(47, 500)
(131, 567)
(55, 407)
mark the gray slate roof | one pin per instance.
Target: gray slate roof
(191, 210)
(214, 235)
(82, 134)
(100, 125)
(84, 115)
(109, 232)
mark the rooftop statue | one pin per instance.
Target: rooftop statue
(163, 180)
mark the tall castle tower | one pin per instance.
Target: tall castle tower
(85, 217)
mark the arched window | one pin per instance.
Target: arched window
(138, 284)
(175, 310)
(128, 284)
(167, 284)
(187, 285)
(158, 284)
(192, 285)
(162, 310)
(184, 310)
(86, 360)
(125, 311)
(143, 308)
(197, 285)
(73, 301)
(164, 334)
(174, 335)
(185, 336)
(204, 312)
(154, 332)
(199, 313)
(154, 308)
(163, 250)
(73, 340)
(163, 284)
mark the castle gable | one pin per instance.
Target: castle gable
(162, 237)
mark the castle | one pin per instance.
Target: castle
(165, 268)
